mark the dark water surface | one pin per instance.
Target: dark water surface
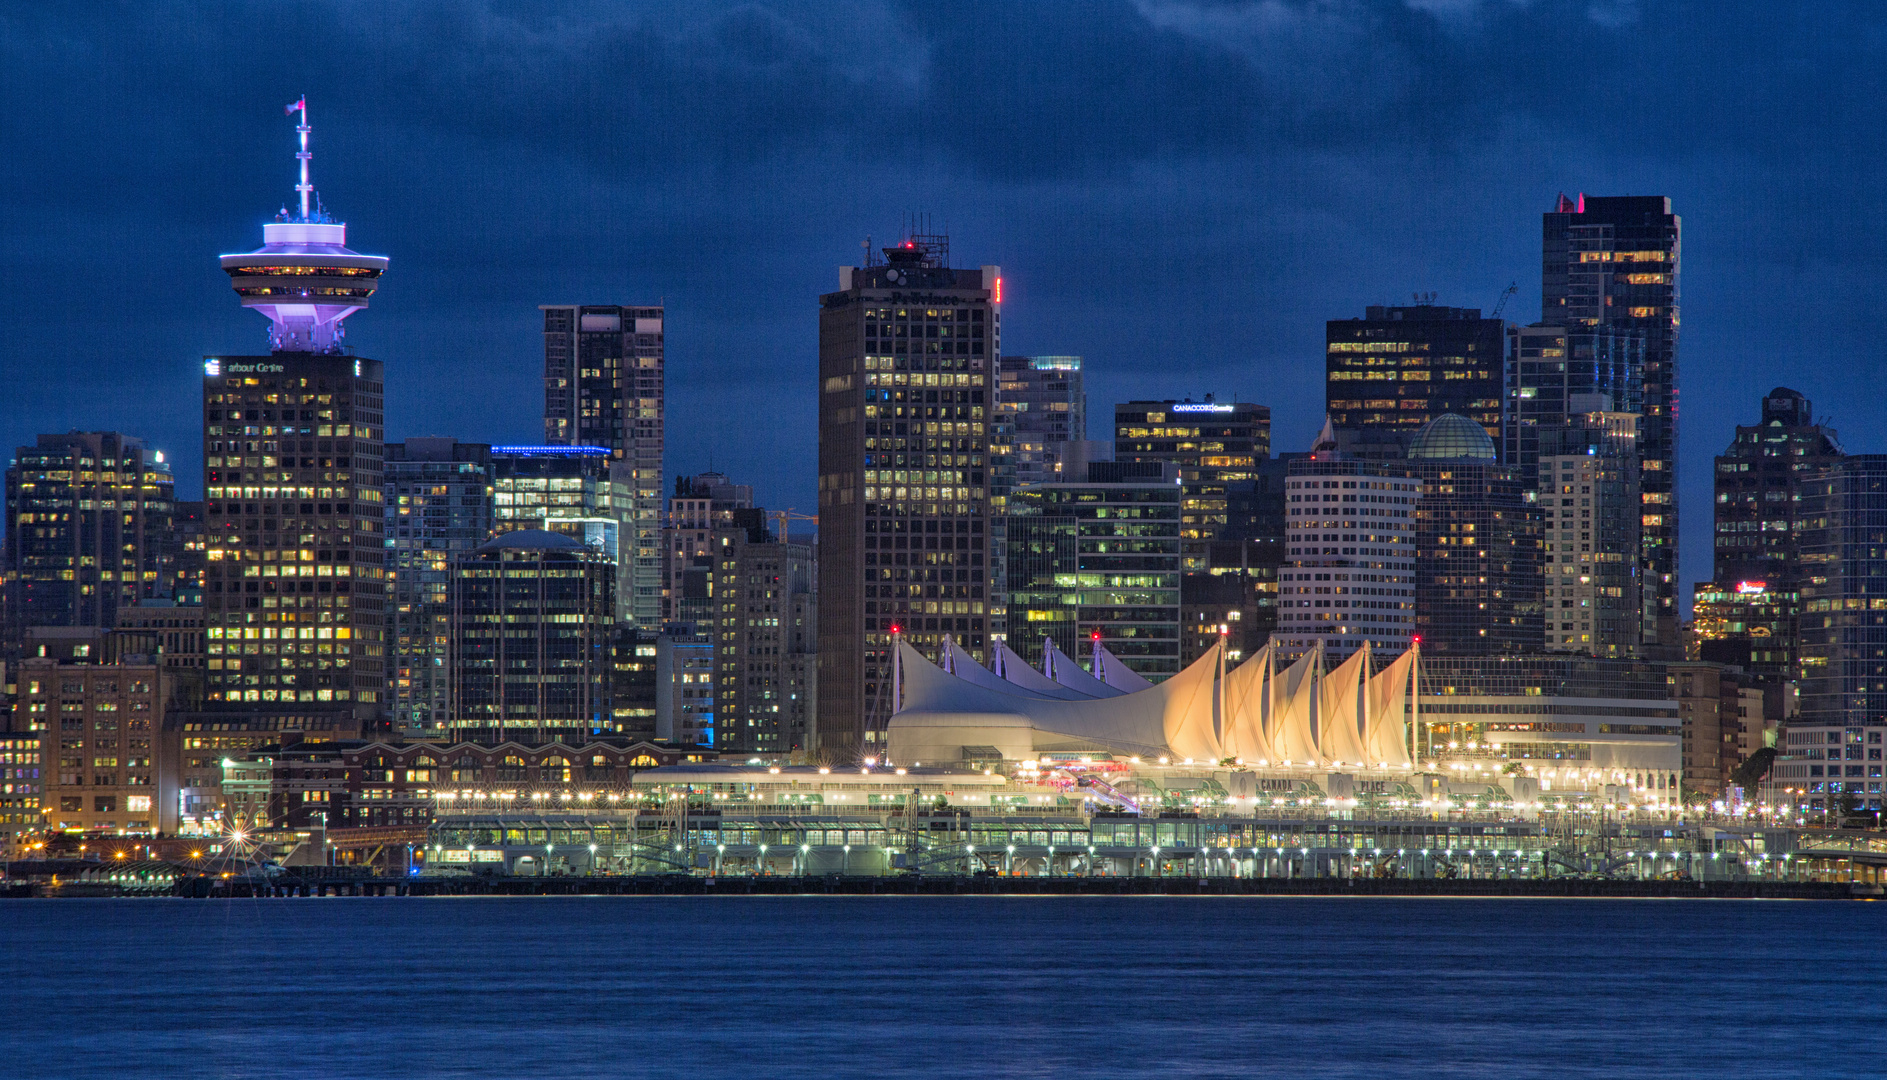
(941, 987)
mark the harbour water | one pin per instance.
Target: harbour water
(839, 987)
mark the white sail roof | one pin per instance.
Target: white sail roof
(1017, 671)
(1110, 670)
(1065, 671)
(1242, 721)
(956, 662)
(1174, 717)
(1293, 701)
(1386, 735)
(1339, 712)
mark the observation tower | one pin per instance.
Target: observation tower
(303, 277)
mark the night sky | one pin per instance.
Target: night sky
(1181, 191)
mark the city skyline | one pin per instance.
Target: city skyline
(1247, 261)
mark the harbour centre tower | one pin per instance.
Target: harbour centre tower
(293, 504)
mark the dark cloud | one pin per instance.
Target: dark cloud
(1180, 190)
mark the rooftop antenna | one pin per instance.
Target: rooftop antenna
(305, 188)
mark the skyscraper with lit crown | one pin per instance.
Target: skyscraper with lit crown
(293, 507)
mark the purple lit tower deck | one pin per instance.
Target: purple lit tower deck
(303, 277)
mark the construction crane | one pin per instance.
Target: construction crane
(1501, 304)
(787, 515)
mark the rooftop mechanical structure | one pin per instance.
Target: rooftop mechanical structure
(303, 277)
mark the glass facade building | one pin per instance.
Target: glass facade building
(907, 351)
(439, 496)
(1401, 367)
(1748, 613)
(1477, 545)
(1217, 446)
(1613, 263)
(91, 528)
(604, 386)
(1585, 483)
(533, 633)
(1099, 558)
(1843, 552)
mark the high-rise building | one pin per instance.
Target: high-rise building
(1400, 367)
(701, 508)
(1349, 559)
(293, 506)
(1040, 414)
(907, 349)
(1100, 556)
(439, 496)
(764, 619)
(632, 691)
(1557, 374)
(1477, 544)
(577, 491)
(1044, 403)
(1843, 624)
(90, 529)
(1217, 447)
(533, 627)
(1747, 615)
(293, 518)
(603, 386)
(1585, 484)
(1613, 262)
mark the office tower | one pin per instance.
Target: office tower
(577, 491)
(1043, 401)
(1040, 412)
(701, 507)
(1477, 544)
(293, 519)
(1586, 486)
(1759, 480)
(764, 618)
(1216, 446)
(603, 386)
(1747, 615)
(1400, 367)
(293, 507)
(1349, 569)
(1235, 599)
(1613, 262)
(439, 495)
(533, 621)
(91, 528)
(684, 687)
(1100, 556)
(1843, 631)
(1557, 374)
(632, 695)
(906, 354)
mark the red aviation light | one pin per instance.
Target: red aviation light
(895, 628)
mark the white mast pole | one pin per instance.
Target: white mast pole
(306, 188)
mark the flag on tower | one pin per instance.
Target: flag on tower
(300, 103)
